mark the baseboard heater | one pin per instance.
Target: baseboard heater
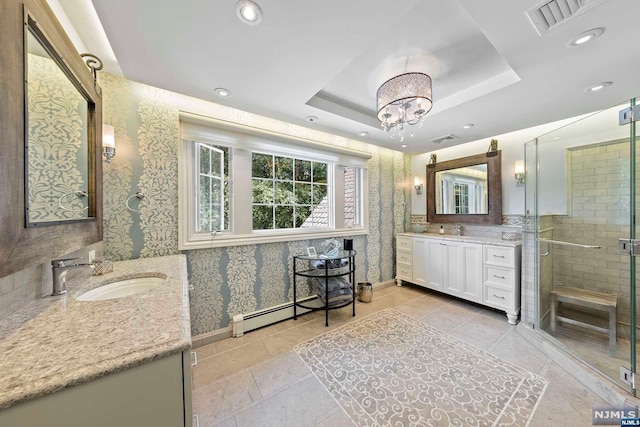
(247, 322)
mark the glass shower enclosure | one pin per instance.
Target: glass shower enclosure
(581, 189)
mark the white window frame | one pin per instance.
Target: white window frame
(199, 174)
(242, 141)
(330, 194)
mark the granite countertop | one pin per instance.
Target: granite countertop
(58, 342)
(466, 239)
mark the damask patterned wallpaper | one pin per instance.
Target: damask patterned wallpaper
(57, 156)
(232, 280)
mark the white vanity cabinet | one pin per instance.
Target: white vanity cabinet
(404, 259)
(470, 269)
(448, 266)
(502, 279)
(463, 270)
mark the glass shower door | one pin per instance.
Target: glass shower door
(583, 204)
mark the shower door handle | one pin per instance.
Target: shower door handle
(548, 242)
(629, 246)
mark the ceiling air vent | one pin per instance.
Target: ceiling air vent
(440, 139)
(552, 13)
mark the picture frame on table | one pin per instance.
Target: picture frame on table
(311, 251)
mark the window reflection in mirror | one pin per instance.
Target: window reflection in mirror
(462, 190)
(57, 141)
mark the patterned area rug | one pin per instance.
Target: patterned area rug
(388, 369)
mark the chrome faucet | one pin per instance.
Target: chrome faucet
(60, 268)
(458, 230)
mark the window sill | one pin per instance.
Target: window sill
(222, 240)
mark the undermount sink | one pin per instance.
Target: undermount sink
(121, 288)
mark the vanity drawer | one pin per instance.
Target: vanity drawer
(404, 257)
(503, 256)
(403, 242)
(500, 275)
(404, 272)
(499, 297)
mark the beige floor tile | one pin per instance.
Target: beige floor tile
(419, 307)
(264, 383)
(517, 350)
(462, 307)
(387, 290)
(226, 363)
(337, 418)
(398, 298)
(377, 303)
(279, 372)
(303, 404)
(227, 422)
(480, 342)
(445, 319)
(566, 402)
(286, 340)
(206, 351)
(483, 331)
(231, 343)
(222, 398)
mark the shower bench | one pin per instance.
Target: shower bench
(601, 301)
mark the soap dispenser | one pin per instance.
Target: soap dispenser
(442, 229)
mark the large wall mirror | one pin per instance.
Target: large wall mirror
(466, 190)
(50, 128)
(58, 141)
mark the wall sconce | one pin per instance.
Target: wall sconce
(417, 185)
(519, 172)
(108, 142)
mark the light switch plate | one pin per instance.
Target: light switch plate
(92, 255)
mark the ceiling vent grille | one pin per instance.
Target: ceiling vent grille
(441, 139)
(555, 12)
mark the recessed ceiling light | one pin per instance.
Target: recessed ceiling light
(467, 126)
(555, 138)
(598, 86)
(248, 12)
(404, 145)
(585, 37)
(222, 92)
(311, 119)
(363, 133)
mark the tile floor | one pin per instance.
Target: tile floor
(257, 380)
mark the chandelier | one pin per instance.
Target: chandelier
(404, 101)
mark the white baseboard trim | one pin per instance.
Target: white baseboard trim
(247, 322)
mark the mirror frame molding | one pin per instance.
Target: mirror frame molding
(22, 246)
(493, 159)
(32, 26)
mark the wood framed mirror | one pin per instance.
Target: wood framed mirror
(22, 243)
(466, 190)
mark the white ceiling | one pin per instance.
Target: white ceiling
(327, 58)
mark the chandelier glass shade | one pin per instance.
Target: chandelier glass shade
(404, 100)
